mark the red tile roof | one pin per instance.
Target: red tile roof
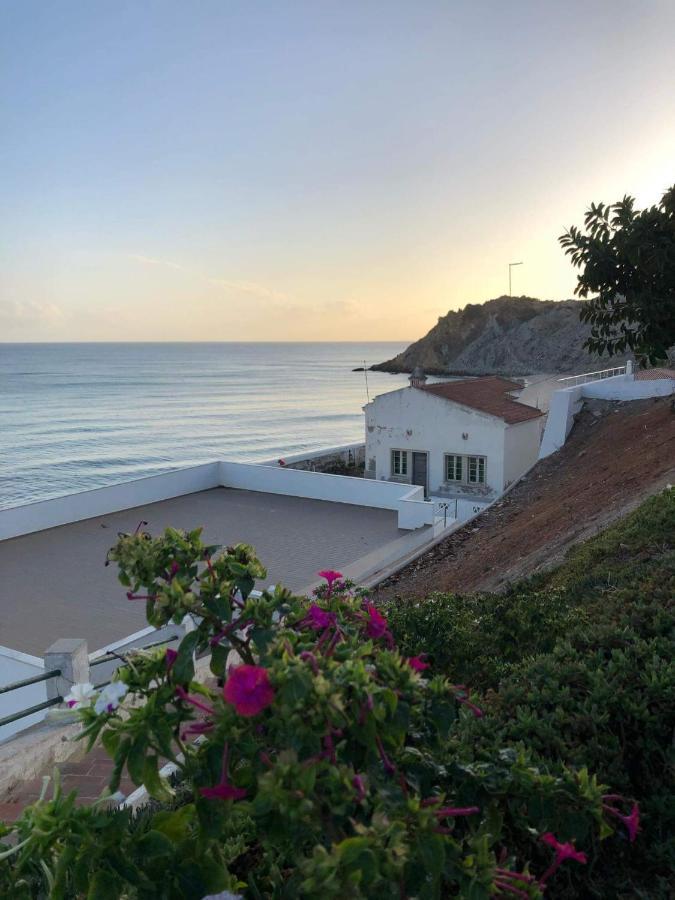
(654, 374)
(488, 395)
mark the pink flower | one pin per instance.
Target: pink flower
(223, 792)
(359, 785)
(318, 618)
(462, 696)
(248, 689)
(417, 663)
(330, 575)
(195, 701)
(456, 811)
(631, 821)
(170, 658)
(376, 625)
(562, 852)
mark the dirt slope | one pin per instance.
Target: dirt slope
(616, 455)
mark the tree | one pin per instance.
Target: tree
(627, 262)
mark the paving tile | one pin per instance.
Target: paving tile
(295, 538)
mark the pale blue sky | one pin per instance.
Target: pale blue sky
(289, 170)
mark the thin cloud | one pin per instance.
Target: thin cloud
(242, 287)
(250, 287)
(29, 311)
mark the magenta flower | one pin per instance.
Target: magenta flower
(462, 696)
(330, 575)
(631, 821)
(318, 618)
(359, 785)
(376, 625)
(562, 852)
(248, 689)
(456, 811)
(417, 663)
(194, 701)
(223, 792)
(170, 658)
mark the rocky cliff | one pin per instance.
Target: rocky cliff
(504, 336)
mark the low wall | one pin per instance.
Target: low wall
(15, 666)
(567, 402)
(274, 479)
(317, 460)
(100, 502)
(332, 488)
(624, 387)
(563, 407)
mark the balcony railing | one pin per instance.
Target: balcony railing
(574, 380)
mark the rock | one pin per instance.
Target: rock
(504, 336)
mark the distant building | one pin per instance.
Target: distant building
(467, 438)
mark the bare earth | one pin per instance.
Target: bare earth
(616, 455)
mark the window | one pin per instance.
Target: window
(399, 462)
(476, 466)
(453, 467)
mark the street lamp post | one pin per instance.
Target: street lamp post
(511, 265)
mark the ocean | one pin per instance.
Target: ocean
(80, 416)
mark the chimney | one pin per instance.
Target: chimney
(417, 378)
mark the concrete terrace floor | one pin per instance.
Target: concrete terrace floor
(54, 583)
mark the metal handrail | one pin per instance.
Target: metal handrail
(15, 685)
(7, 720)
(601, 372)
(109, 657)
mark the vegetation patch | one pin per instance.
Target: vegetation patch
(578, 666)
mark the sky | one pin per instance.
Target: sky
(241, 171)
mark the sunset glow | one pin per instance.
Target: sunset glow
(248, 171)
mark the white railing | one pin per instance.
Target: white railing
(574, 380)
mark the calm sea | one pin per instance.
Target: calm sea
(80, 416)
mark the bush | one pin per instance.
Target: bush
(588, 682)
(329, 764)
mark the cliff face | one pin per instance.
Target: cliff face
(505, 336)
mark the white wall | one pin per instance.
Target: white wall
(345, 453)
(563, 407)
(566, 403)
(521, 448)
(625, 387)
(102, 501)
(15, 666)
(333, 488)
(410, 419)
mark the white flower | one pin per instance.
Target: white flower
(110, 696)
(80, 695)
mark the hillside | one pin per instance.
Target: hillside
(617, 454)
(504, 336)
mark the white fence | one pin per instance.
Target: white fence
(599, 375)
(16, 666)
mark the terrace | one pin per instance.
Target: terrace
(55, 584)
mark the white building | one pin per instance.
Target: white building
(457, 439)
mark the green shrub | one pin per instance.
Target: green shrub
(328, 765)
(587, 682)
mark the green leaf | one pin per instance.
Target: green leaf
(219, 654)
(184, 667)
(136, 759)
(154, 844)
(103, 886)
